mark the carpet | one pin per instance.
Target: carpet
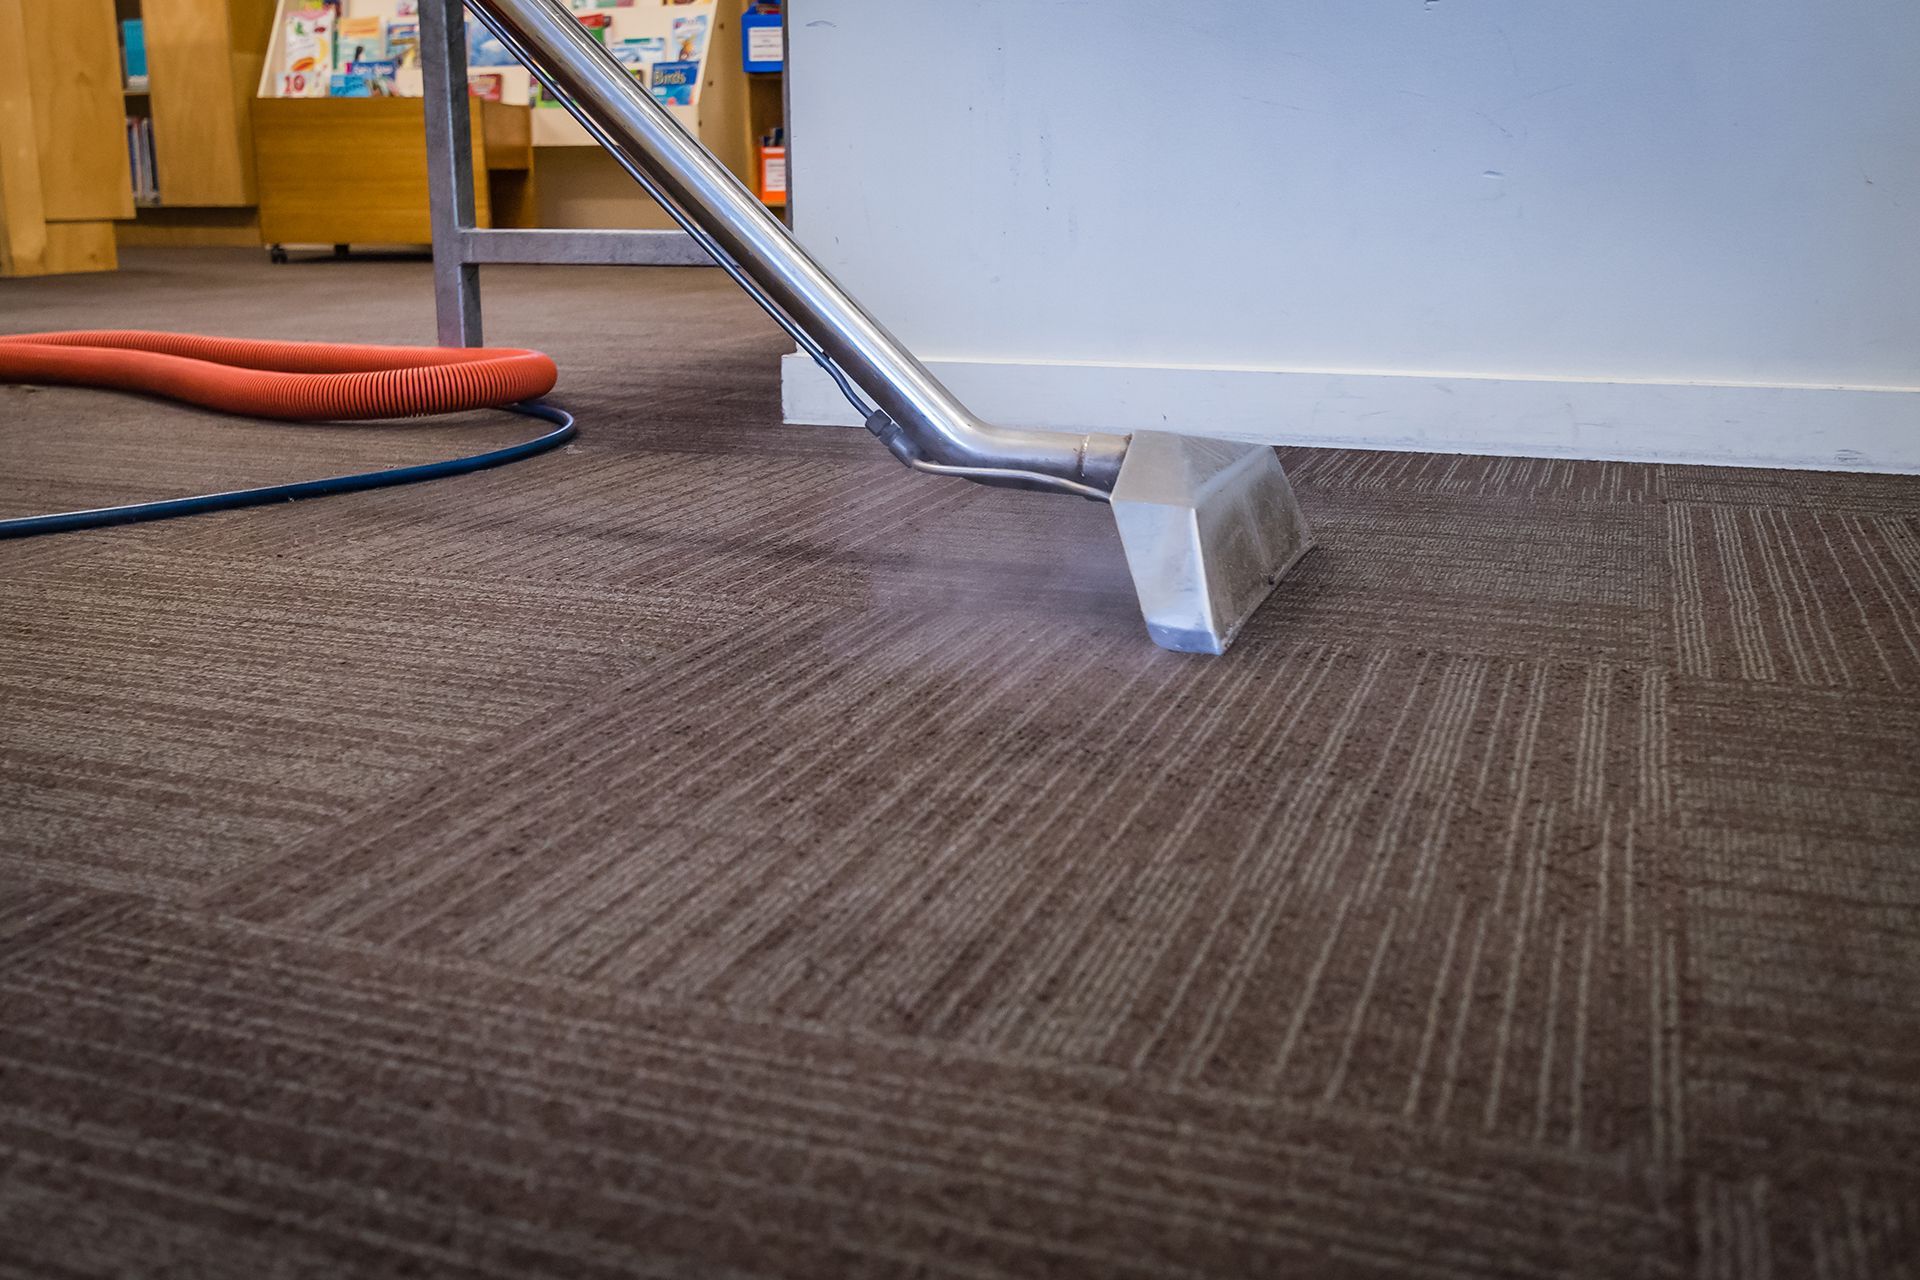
(713, 850)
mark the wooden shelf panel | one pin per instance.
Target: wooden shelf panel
(202, 59)
(354, 170)
(73, 64)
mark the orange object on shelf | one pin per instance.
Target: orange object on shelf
(773, 175)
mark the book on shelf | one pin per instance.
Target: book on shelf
(364, 80)
(597, 24)
(485, 50)
(359, 40)
(690, 37)
(364, 48)
(674, 82)
(403, 42)
(140, 163)
(133, 52)
(307, 54)
(638, 54)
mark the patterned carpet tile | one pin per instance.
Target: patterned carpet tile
(351, 1109)
(169, 717)
(1778, 595)
(1417, 885)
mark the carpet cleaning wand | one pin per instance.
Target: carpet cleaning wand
(1209, 526)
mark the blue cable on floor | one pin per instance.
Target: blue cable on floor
(64, 521)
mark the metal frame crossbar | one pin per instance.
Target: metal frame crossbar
(460, 247)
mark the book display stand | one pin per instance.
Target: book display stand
(439, 137)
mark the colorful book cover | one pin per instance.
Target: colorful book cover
(347, 84)
(597, 24)
(133, 51)
(307, 49)
(359, 40)
(491, 87)
(690, 38)
(146, 187)
(403, 42)
(485, 51)
(638, 54)
(674, 82)
(149, 174)
(381, 75)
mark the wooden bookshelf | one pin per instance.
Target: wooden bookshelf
(766, 111)
(65, 181)
(63, 156)
(552, 175)
(203, 58)
(582, 186)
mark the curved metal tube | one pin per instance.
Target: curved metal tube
(729, 220)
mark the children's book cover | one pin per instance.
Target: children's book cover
(638, 54)
(307, 54)
(380, 77)
(674, 82)
(597, 24)
(483, 50)
(690, 38)
(359, 40)
(403, 42)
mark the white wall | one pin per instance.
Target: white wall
(1638, 228)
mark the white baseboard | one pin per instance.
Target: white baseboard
(1825, 428)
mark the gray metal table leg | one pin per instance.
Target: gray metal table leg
(443, 67)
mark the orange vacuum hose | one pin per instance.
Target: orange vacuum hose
(299, 381)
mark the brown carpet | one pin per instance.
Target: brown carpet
(712, 850)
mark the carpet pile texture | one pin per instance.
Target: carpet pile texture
(713, 850)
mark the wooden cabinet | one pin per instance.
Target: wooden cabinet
(354, 170)
(63, 153)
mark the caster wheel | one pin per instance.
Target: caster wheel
(340, 251)
(277, 253)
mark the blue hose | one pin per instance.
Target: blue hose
(134, 512)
